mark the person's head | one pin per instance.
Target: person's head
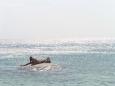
(48, 59)
(30, 57)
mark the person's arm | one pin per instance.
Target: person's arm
(26, 64)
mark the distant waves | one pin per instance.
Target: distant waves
(104, 47)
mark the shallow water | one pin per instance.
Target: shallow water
(83, 64)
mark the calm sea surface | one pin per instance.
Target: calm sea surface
(84, 63)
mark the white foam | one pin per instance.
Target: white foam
(41, 67)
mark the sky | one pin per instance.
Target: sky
(57, 19)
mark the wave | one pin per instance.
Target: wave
(87, 46)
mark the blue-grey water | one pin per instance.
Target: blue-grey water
(86, 63)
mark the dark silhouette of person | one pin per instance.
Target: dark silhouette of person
(34, 61)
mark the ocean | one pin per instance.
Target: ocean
(83, 63)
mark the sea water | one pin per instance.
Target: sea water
(84, 63)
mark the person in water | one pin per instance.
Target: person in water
(34, 61)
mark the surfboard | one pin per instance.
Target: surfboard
(41, 67)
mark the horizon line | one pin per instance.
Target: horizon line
(60, 40)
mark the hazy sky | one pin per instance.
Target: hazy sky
(56, 19)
